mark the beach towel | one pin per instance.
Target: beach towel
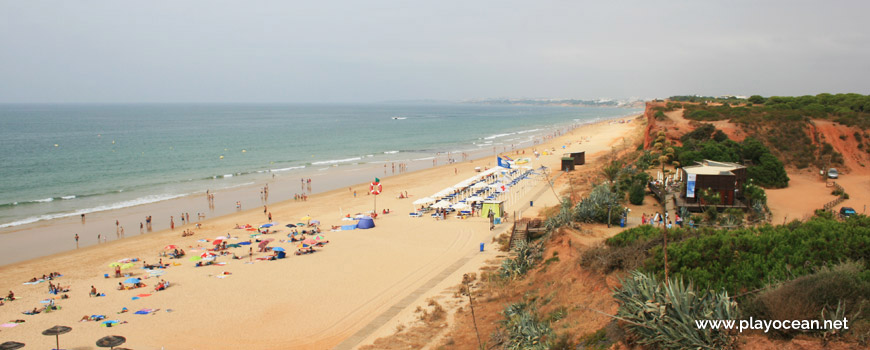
(143, 295)
(32, 283)
(8, 325)
(244, 243)
(348, 227)
(144, 311)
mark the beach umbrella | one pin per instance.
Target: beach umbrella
(127, 266)
(474, 199)
(278, 249)
(306, 218)
(441, 205)
(290, 225)
(109, 323)
(111, 341)
(195, 258)
(478, 185)
(263, 244)
(206, 255)
(56, 331)
(217, 241)
(423, 200)
(303, 245)
(133, 280)
(170, 247)
(11, 345)
(460, 206)
(266, 225)
(319, 238)
(315, 222)
(309, 241)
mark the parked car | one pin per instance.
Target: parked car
(833, 174)
(847, 212)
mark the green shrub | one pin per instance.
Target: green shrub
(746, 259)
(636, 193)
(804, 298)
(598, 206)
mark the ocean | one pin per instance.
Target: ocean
(65, 160)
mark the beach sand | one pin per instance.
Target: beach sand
(303, 302)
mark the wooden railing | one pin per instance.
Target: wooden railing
(830, 205)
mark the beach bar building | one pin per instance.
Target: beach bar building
(496, 207)
(724, 178)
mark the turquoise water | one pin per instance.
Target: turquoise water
(64, 160)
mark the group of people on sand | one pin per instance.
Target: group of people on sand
(187, 233)
(56, 288)
(46, 277)
(176, 253)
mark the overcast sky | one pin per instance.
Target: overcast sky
(373, 50)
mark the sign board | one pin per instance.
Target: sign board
(690, 185)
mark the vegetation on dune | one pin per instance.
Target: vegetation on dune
(706, 142)
(749, 258)
(785, 123)
(663, 315)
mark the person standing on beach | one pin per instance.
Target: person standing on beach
(141, 228)
(171, 222)
(187, 216)
(251, 253)
(83, 219)
(122, 231)
(98, 238)
(77, 241)
(117, 226)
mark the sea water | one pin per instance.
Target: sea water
(66, 160)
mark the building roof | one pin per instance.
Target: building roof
(709, 167)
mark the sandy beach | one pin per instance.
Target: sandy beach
(312, 301)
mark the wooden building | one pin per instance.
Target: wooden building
(724, 178)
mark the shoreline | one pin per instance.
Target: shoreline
(22, 246)
(322, 299)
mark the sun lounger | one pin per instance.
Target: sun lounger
(415, 215)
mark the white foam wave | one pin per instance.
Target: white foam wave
(336, 161)
(46, 200)
(288, 168)
(425, 158)
(227, 175)
(391, 152)
(118, 205)
(68, 197)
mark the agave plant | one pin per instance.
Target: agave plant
(525, 258)
(525, 331)
(663, 316)
(562, 218)
(594, 207)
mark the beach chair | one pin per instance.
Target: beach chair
(415, 215)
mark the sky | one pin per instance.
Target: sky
(112, 51)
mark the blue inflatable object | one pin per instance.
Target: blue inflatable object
(365, 223)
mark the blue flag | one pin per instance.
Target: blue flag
(503, 163)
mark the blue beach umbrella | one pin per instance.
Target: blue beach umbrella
(132, 280)
(278, 249)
